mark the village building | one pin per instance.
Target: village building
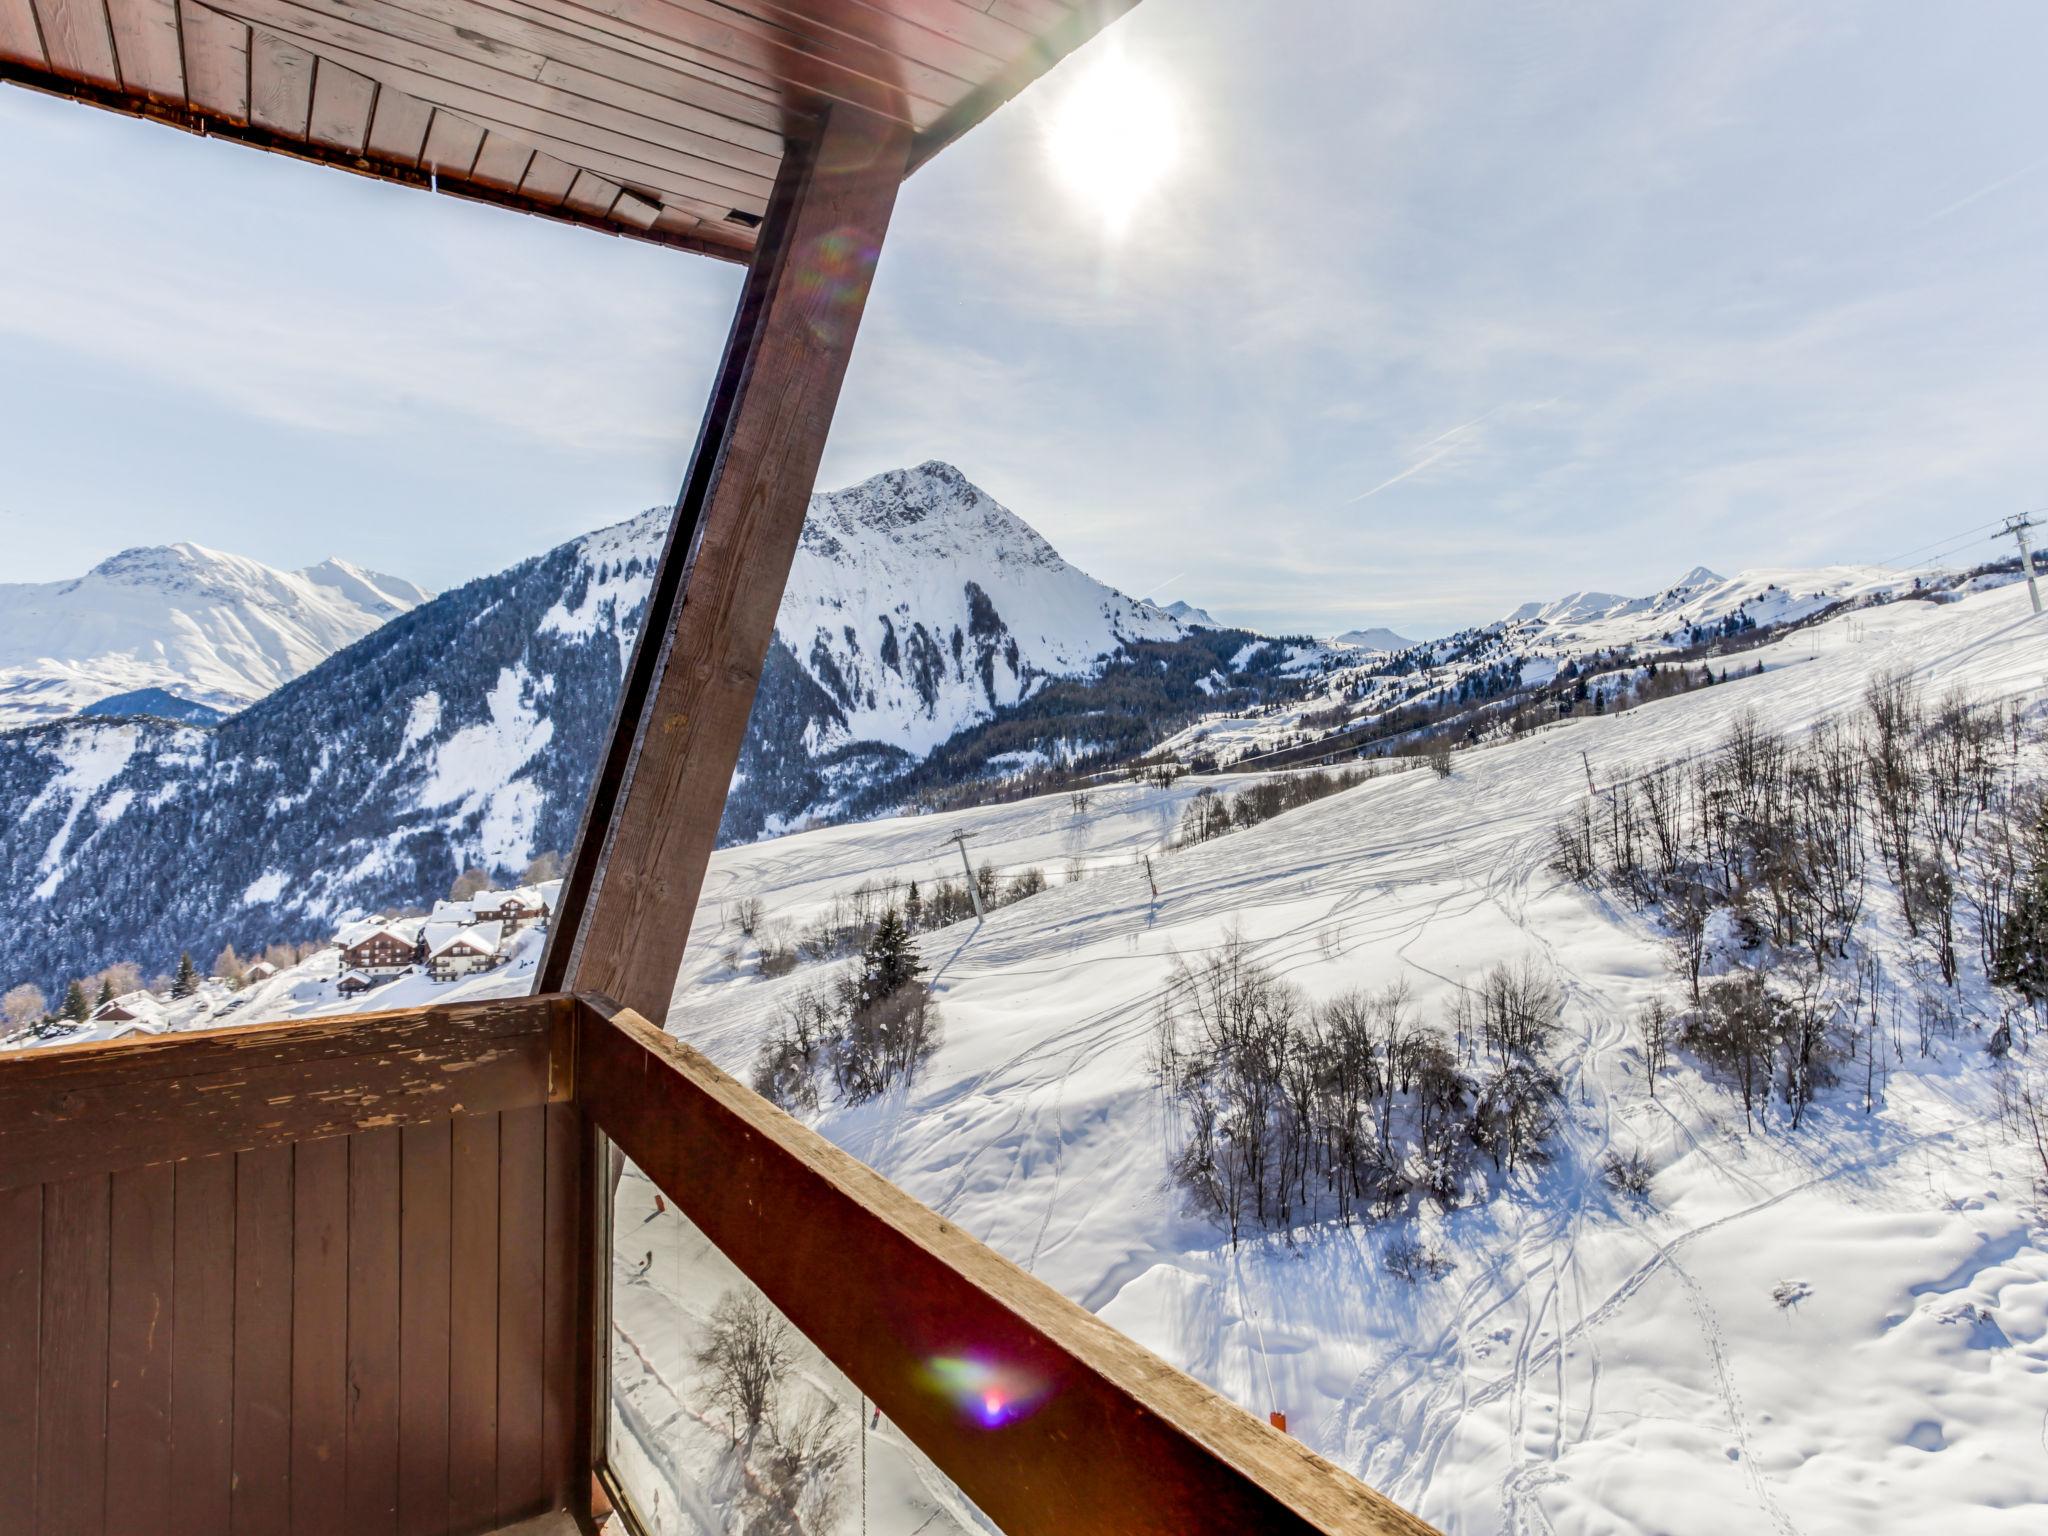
(354, 982)
(142, 1008)
(379, 947)
(515, 909)
(460, 950)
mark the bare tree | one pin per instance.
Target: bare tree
(745, 1354)
(1655, 1024)
(24, 1005)
(797, 1488)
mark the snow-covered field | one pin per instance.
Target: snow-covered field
(1589, 1365)
(1838, 1329)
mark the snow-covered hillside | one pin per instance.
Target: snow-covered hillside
(1541, 650)
(1842, 1328)
(210, 628)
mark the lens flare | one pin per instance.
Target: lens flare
(989, 1394)
(1116, 139)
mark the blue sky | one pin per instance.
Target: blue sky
(1441, 308)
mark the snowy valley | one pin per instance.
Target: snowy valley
(1825, 1312)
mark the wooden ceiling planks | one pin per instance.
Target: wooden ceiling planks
(342, 103)
(664, 120)
(77, 39)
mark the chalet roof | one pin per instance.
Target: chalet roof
(665, 120)
(528, 897)
(406, 930)
(482, 937)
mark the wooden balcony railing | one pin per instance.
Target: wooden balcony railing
(343, 1276)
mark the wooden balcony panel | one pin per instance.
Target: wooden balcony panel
(318, 1277)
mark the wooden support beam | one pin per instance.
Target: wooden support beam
(652, 819)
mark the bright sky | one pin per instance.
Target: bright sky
(1436, 309)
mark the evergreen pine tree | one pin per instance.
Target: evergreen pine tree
(75, 1005)
(106, 993)
(187, 981)
(2022, 961)
(889, 961)
(913, 909)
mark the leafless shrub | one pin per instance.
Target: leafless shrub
(1415, 1262)
(1630, 1173)
(746, 915)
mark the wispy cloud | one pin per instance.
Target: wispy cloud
(1983, 192)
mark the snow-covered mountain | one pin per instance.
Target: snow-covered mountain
(922, 606)
(1378, 638)
(197, 625)
(1187, 613)
(928, 637)
(1700, 599)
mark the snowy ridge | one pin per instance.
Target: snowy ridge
(213, 628)
(1771, 595)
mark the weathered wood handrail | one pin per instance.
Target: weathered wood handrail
(71, 1110)
(1122, 1442)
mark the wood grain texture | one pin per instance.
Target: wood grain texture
(20, 37)
(280, 83)
(547, 178)
(342, 103)
(373, 1329)
(502, 161)
(21, 1327)
(260, 1492)
(452, 145)
(567, 1332)
(203, 1348)
(497, 87)
(643, 886)
(1122, 1443)
(140, 1323)
(147, 47)
(319, 1464)
(425, 1192)
(71, 1449)
(522, 1273)
(473, 1327)
(466, 43)
(95, 1108)
(76, 38)
(216, 62)
(398, 126)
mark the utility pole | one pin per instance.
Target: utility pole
(1591, 787)
(973, 890)
(2017, 527)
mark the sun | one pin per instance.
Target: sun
(1115, 139)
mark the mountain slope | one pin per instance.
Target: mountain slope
(463, 731)
(1791, 1330)
(210, 628)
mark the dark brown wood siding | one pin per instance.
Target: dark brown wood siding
(260, 1340)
